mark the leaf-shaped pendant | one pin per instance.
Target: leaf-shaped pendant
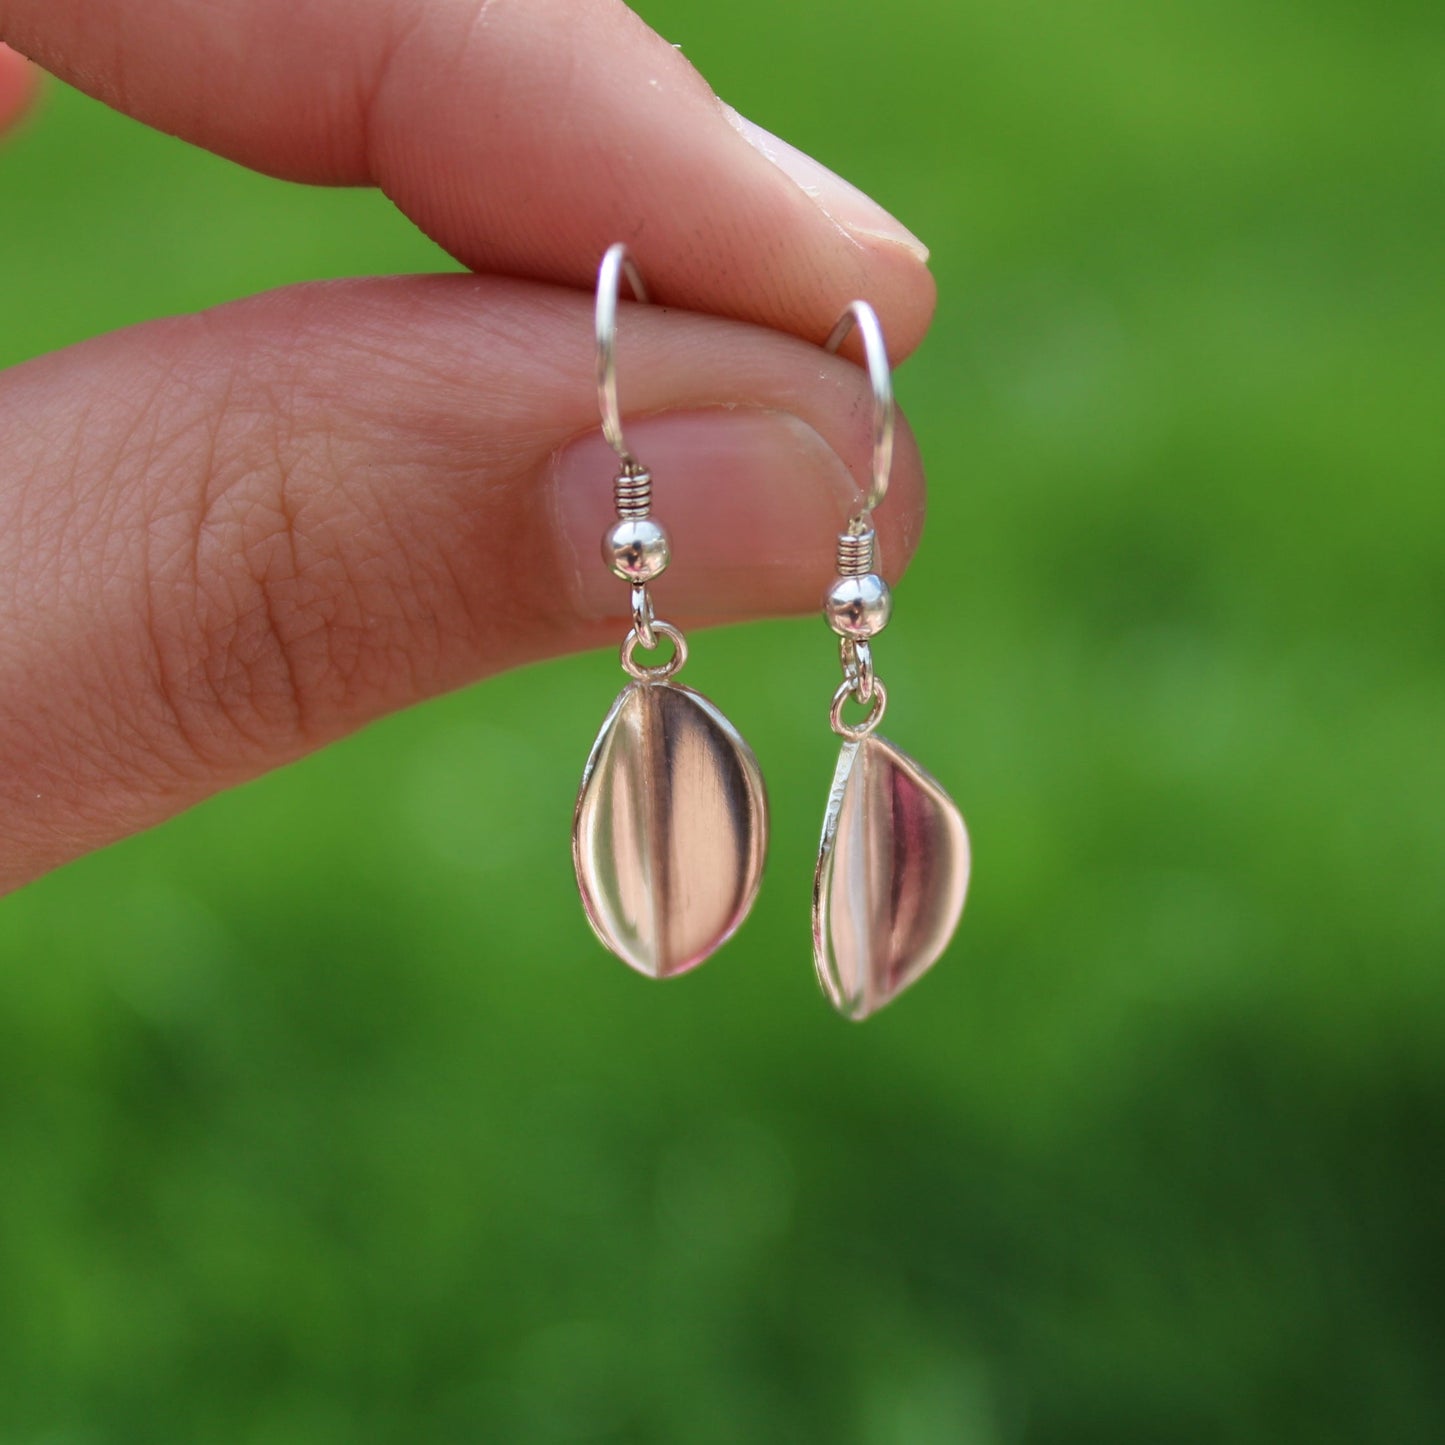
(891, 879)
(671, 829)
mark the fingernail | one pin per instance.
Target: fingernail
(17, 84)
(13, 59)
(854, 210)
(751, 500)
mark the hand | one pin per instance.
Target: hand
(227, 539)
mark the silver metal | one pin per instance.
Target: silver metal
(856, 655)
(891, 880)
(880, 375)
(893, 863)
(877, 705)
(663, 670)
(643, 616)
(857, 549)
(671, 825)
(636, 549)
(671, 828)
(632, 490)
(616, 265)
(858, 606)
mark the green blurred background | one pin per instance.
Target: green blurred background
(324, 1119)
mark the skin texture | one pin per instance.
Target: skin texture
(229, 538)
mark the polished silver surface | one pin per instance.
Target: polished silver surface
(658, 672)
(671, 829)
(891, 879)
(858, 606)
(856, 655)
(877, 705)
(857, 548)
(880, 377)
(616, 264)
(632, 490)
(643, 618)
(636, 549)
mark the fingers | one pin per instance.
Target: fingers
(17, 86)
(524, 135)
(227, 539)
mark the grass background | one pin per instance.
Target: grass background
(323, 1119)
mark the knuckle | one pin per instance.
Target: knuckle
(278, 601)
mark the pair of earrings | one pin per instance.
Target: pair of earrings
(671, 825)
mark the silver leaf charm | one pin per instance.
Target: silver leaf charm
(891, 879)
(670, 831)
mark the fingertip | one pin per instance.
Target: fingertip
(889, 263)
(18, 84)
(909, 296)
(846, 205)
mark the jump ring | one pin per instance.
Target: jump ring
(663, 670)
(643, 617)
(857, 657)
(856, 732)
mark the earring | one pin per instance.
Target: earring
(893, 864)
(671, 825)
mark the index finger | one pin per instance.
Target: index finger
(523, 135)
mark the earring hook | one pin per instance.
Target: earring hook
(880, 375)
(616, 265)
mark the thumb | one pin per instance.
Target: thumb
(230, 538)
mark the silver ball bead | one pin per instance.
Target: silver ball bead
(858, 607)
(636, 549)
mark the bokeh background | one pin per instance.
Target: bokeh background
(324, 1119)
